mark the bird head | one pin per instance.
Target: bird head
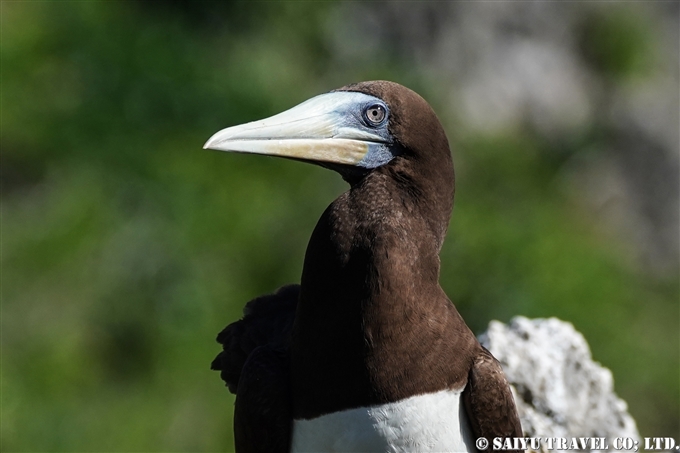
(352, 130)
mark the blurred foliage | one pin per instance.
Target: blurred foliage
(617, 42)
(126, 248)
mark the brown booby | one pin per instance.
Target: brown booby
(367, 353)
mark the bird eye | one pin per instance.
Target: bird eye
(375, 114)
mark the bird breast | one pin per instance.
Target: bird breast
(432, 422)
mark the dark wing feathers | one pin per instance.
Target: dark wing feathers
(488, 400)
(262, 414)
(267, 320)
(255, 364)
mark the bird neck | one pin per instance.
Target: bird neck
(379, 237)
(369, 294)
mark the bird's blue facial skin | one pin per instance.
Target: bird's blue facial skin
(378, 155)
(353, 115)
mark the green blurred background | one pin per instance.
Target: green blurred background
(126, 247)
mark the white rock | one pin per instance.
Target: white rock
(559, 390)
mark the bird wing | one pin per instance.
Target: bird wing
(255, 365)
(488, 401)
(262, 413)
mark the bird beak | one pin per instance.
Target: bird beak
(325, 128)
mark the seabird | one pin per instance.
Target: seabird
(367, 353)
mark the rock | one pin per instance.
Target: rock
(560, 391)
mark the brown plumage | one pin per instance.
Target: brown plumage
(372, 325)
(488, 400)
(257, 348)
